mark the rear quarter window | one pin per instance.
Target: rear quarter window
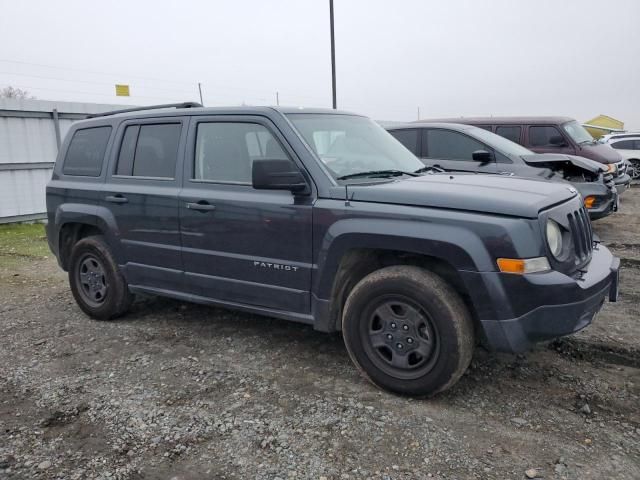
(85, 154)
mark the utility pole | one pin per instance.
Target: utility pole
(333, 57)
(418, 113)
(200, 91)
(277, 99)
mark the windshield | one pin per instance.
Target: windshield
(577, 132)
(348, 144)
(503, 145)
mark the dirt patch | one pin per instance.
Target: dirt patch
(181, 391)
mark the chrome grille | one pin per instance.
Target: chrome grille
(581, 234)
(622, 167)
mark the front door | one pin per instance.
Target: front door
(549, 139)
(453, 151)
(241, 245)
(141, 192)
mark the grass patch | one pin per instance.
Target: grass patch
(23, 240)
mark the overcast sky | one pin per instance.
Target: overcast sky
(448, 58)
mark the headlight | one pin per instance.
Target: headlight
(612, 168)
(554, 238)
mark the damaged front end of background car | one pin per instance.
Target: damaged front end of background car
(590, 178)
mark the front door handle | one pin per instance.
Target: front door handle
(200, 206)
(116, 198)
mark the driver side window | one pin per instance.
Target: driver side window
(449, 145)
(541, 136)
(225, 151)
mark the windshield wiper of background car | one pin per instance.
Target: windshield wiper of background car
(430, 169)
(378, 173)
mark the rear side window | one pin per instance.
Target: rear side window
(449, 145)
(225, 151)
(149, 150)
(86, 152)
(408, 138)
(541, 136)
(510, 133)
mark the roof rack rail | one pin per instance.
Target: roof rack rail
(150, 107)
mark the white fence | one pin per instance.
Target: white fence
(30, 134)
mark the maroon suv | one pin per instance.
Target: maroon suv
(562, 135)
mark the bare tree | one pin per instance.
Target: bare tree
(13, 92)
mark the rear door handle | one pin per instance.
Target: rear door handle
(116, 198)
(200, 206)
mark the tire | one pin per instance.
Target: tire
(635, 168)
(97, 283)
(432, 335)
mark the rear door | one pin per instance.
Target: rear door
(241, 245)
(452, 150)
(141, 192)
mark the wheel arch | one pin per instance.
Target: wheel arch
(357, 263)
(74, 222)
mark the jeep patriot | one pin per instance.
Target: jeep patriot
(322, 217)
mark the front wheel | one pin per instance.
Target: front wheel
(635, 169)
(408, 330)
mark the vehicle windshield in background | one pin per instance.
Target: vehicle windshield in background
(503, 145)
(353, 146)
(577, 132)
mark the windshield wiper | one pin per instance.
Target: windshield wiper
(430, 169)
(378, 173)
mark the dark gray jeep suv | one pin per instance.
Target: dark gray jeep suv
(322, 217)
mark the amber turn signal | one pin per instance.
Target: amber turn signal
(520, 266)
(589, 201)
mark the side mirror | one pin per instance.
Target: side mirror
(557, 141)
(482, 156)
(278, 174)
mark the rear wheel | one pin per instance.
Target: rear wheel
(96, 282)
(408, 330)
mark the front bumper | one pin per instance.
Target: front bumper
(537, 307)
(622, 182)
(606, 198)
(604, 206)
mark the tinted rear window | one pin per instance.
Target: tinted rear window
(86, 152)
(149, 150)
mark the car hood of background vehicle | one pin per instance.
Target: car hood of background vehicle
(599, 152)
(502, 195)
(541, 159)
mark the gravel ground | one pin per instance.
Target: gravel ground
(179, 391)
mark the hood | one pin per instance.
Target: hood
(547, 159)
(495, 194)
(599, 152)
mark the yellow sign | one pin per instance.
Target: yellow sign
(122, 90)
